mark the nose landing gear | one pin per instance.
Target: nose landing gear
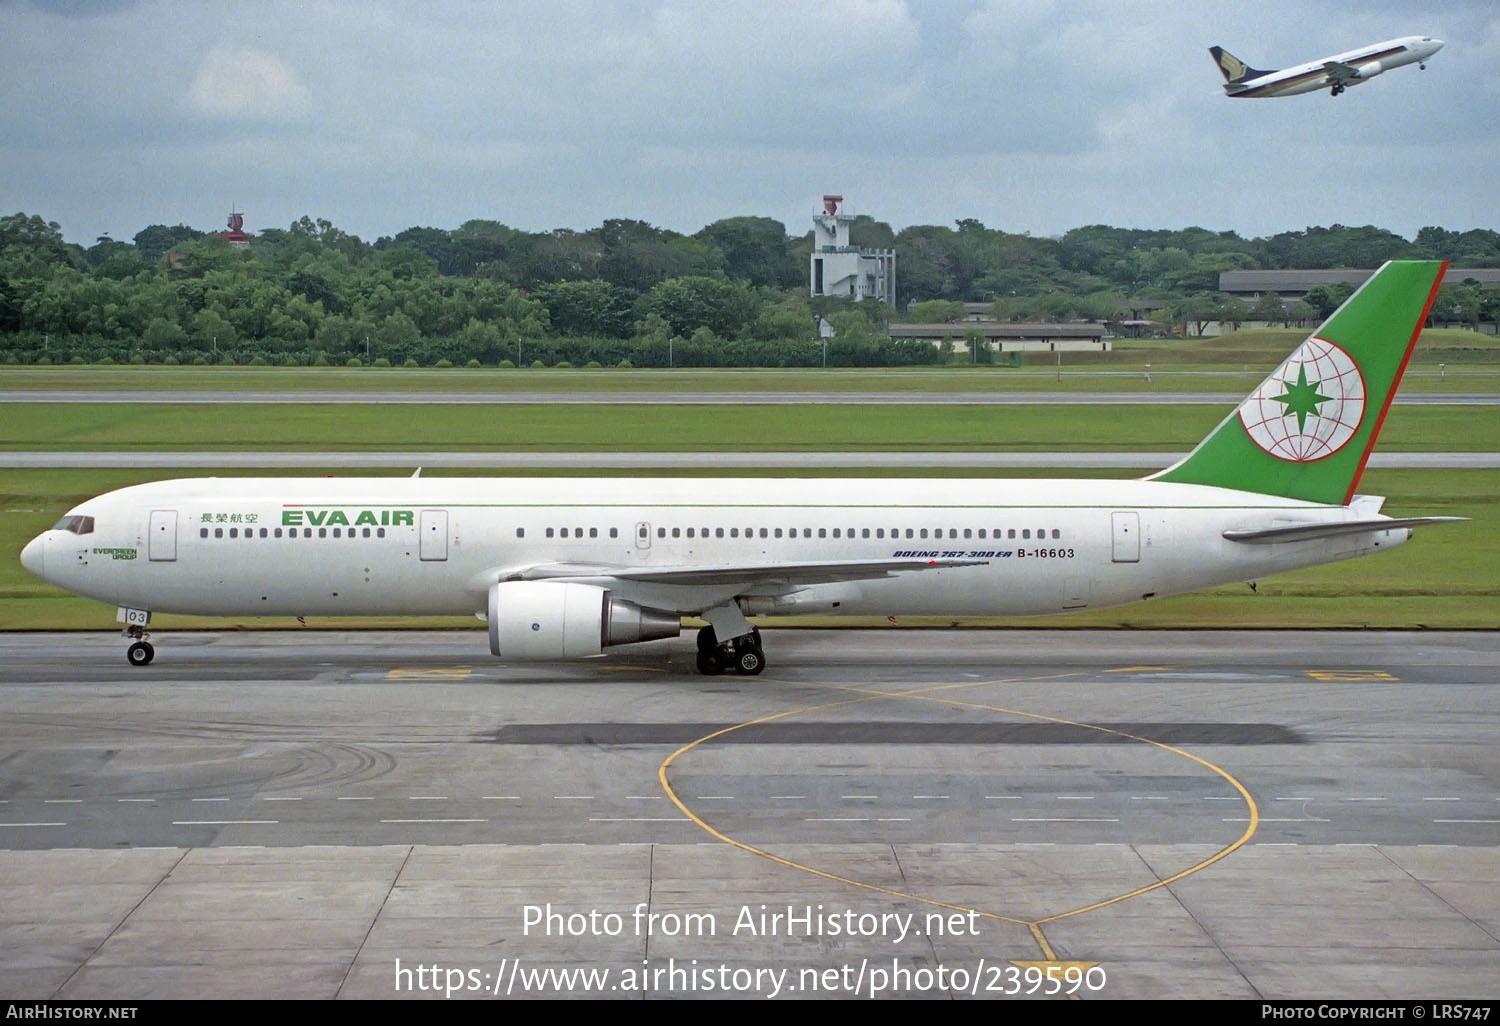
(140, 651)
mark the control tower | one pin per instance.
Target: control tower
(841, 269)
(236, 235)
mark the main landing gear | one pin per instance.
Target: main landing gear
(744, 654)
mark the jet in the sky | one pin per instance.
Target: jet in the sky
(1335, 73)
(564, 568)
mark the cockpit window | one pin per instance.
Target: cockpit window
(75, 525)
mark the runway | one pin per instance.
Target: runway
(682, 398)
(290, 813)
(708, 460)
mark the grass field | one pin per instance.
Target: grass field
(1445, 361)
(803, 427)
(1446, 577)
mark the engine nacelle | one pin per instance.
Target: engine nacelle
(548, 620)
(1368, 71)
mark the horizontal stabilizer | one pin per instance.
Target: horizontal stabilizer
(1309, 532)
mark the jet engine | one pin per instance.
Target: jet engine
(1370, 70)
(547, 620)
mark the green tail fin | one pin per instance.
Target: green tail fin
(1307, 431)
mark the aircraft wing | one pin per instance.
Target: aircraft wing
(1308, 532)
(795, 574)
(1339, 73)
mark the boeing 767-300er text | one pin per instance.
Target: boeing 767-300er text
(1335, 73)
(564, 568)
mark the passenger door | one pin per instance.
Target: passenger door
(434, 531)
(161, 543)
(1126, 529)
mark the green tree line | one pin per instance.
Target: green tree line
(732, 294)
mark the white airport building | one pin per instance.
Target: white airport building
(842, 269)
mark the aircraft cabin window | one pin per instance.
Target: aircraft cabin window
(322, 532)
(1056, 533)
(981, 532)
(822, 532)
(1011, 533)
(336, 532)
(676, 532)
(908, 532)
(1026, 532)
(218, 532)
(265, 534)
(380, 532)
(549, 532)
(593, 532)
(689, 532)
(968, 533)
(202, 532)
(865, 533)
(880, 532)
(835, 532)
(924, 532)
(276, 533)
(520, 532)
(614, 532)
(718, 532)
(778, 532)
(661, 532)
(234, 532)
(762, 532)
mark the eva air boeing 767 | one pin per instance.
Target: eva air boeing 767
(564, 568)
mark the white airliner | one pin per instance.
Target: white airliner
(1336, 73)
(564, 568)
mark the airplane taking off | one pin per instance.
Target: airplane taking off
(1336, 73)
(563, 568)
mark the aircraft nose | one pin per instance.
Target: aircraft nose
(1436, 45)
(33, 556)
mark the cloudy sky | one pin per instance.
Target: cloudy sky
(1029, 115)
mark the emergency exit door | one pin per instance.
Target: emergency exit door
(434, 528)
(1126, 528)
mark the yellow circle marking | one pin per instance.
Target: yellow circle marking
(925, 694)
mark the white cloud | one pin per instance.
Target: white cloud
(1034, 116)
(247, 85)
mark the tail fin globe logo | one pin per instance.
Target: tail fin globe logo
(1309, 407)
